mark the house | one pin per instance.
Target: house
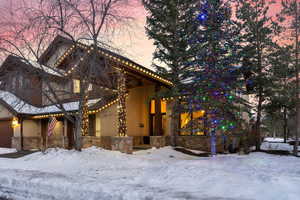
(25, 109)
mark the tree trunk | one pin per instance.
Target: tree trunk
(258, 121)
(284, 125)
(174, 122)
(77, 132)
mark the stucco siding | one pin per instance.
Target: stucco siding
(4, 113)
(108, 121)
(137, 105)
(31, 128)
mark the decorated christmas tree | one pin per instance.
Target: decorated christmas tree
(212, 80)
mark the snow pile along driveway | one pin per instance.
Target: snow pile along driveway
(160, 174)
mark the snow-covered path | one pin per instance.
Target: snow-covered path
(147, 175)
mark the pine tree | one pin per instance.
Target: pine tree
(170, 24)
(290, 13)
(281, 99)
(258, 32)
(214, 73)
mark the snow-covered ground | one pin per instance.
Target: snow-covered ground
(7, 150)
(276, 144)
(271, 139)
(160, 174)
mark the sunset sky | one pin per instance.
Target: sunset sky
(141, 48)
(137, 46)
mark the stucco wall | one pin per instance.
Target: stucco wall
(59, 129)
(4, 113)
(106, 121)
(137, 105)
(138, 111)
(32, 128)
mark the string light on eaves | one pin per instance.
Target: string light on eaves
(128, 64)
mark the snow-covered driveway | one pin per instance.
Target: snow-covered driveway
(154, 174)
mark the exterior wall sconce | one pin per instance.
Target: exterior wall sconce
(15, 122)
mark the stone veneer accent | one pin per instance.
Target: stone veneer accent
(16, 143)
(125, 144)
(138, 140)
(103, 142)
(202, 143)
(122, 144)
(159, 141)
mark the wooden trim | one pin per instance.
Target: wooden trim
(6, 119)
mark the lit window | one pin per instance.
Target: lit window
(152, 110)
(185, 119)
(76, 86)
(163, 105)
(192, 123)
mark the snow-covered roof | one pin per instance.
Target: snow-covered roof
(22, 107)
(49, 70)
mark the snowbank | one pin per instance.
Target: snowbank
(271, 139)
(153, 174)
(7, 150)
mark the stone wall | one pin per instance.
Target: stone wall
(32, 143)
(202, 143)
(138, 140)
(122, 144)
(103, 142)
(57, 141)
(159, 141)
(16, 143)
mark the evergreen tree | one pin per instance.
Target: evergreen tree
(213, 75)
(258, 31)
(280, 101)
(290, 14)
(170, 24)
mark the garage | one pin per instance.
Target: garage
(6, 133)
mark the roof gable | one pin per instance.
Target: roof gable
(126, 63)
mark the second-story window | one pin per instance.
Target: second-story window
(76, 86)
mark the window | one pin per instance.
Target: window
(192, 123)
(163, 109)
(76, 86)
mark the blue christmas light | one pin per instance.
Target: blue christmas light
(202, 17)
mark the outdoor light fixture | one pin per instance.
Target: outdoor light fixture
(15, 122)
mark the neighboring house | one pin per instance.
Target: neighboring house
(25, 111)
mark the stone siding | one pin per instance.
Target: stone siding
(122, 144)
(159, 141)
(138, 140)
(202, 143)
(103, 142)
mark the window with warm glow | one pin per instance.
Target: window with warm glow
(163, 106)
(152, 109)
(192, 123)
(76, 86)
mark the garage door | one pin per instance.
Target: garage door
(6, 133)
